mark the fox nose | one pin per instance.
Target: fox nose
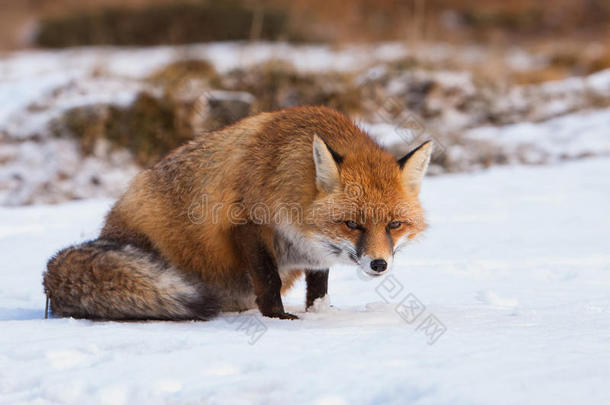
(379, 265)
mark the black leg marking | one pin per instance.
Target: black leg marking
(264, 272)
(317, 285)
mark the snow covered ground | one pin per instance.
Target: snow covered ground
(566, 137)
(514, 274)
(42, 162)
(32, 80)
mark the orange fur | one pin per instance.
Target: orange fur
(191, 207)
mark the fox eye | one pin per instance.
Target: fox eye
(351, 224)
(394, 224)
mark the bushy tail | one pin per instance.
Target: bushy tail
(103, 280)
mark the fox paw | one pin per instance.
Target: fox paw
(283, 315)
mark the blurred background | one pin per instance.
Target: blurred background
(91, 91)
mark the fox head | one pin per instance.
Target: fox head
(367, 205)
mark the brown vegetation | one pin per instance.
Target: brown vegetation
(276, 84)
(164, 24)
(192, 98)
(148, 128)
(74, 22)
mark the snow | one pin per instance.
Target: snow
(569, 136)
(58, 80)
(553, 98)
(115, 73)
(514, 269)
(38, 86)
(57, 171)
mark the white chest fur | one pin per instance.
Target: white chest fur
(296, 252)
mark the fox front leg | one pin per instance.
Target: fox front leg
(267, 287)
(264, 274)
(317, 285)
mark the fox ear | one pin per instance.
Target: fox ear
(325, 160)
(414, 164)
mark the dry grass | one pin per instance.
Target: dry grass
(186, 104)
(277, 84)
(180, 72)
(167, 24)
(148, 128)
(569, 58)
(504, 21)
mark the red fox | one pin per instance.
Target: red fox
(228, 221)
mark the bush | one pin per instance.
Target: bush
(148, 128)
(170, 24)
(277, 84)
